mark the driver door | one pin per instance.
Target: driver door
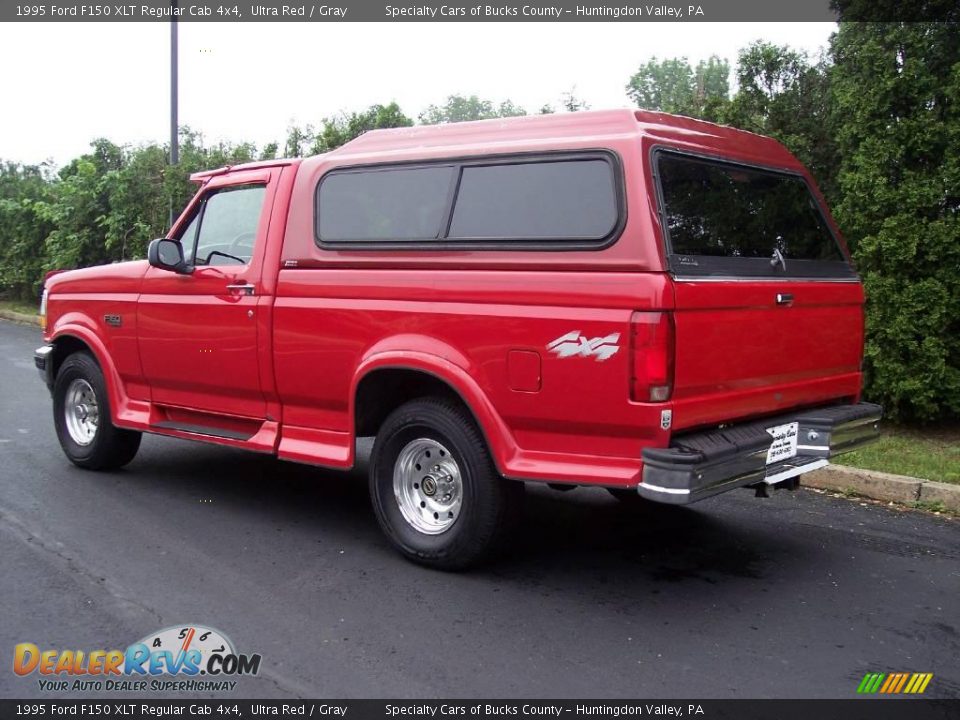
(198, 332)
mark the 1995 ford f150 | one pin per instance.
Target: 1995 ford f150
(652, 304)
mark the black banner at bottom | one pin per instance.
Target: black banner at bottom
(853, 709)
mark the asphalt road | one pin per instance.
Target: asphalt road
(798, 595)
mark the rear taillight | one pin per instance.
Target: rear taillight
(651, 362)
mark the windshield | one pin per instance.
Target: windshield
(727, 219)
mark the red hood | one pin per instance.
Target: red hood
(118, 277)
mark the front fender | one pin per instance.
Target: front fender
(123, 411)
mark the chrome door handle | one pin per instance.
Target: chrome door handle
(784, 298)
(241, 289)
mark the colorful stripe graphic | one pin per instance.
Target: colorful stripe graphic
(893, 683)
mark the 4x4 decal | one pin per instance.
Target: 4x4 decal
(573, 344)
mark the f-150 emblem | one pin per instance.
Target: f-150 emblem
(573, 344)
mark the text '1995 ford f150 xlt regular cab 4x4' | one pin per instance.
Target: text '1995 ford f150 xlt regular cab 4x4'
(647, 303)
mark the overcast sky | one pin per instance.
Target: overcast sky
(64, 84)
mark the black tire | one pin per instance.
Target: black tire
(490, 505)
(110, 447)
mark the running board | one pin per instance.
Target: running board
(204, 430)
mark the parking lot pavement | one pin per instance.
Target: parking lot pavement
(798, 595)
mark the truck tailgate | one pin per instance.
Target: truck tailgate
(740, 352)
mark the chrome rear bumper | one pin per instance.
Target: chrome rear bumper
(701, 464)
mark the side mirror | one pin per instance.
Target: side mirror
(167, 254)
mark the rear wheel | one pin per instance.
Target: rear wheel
(81, 415)
(435, 490)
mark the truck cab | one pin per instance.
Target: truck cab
(655, 305)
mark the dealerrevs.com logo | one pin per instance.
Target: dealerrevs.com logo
(188, 658)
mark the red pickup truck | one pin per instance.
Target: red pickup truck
(647, 303)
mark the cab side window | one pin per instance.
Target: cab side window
(224, 230)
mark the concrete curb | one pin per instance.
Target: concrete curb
(940, 492)
(884, 486)
(18, 317)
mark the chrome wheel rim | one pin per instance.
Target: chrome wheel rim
(428, 486)
(81, 412)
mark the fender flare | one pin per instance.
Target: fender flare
(500, 441)
(115, 392)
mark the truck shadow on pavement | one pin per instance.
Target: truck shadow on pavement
(584, 537)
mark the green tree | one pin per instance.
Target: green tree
(673, 86)
(712, 78)
(343, 128)
(102, 207)
(459, 108)
(895, 90)
(139, 209)
(269, 151)
(571, 103)
(24, 192)
(785, 95)
(664, 85)
(298, 140)
(81, 208)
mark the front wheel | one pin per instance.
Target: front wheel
(81, 415)
(435, 490)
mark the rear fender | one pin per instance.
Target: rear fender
(502, 446)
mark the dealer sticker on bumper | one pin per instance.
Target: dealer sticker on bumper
(784, 445)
